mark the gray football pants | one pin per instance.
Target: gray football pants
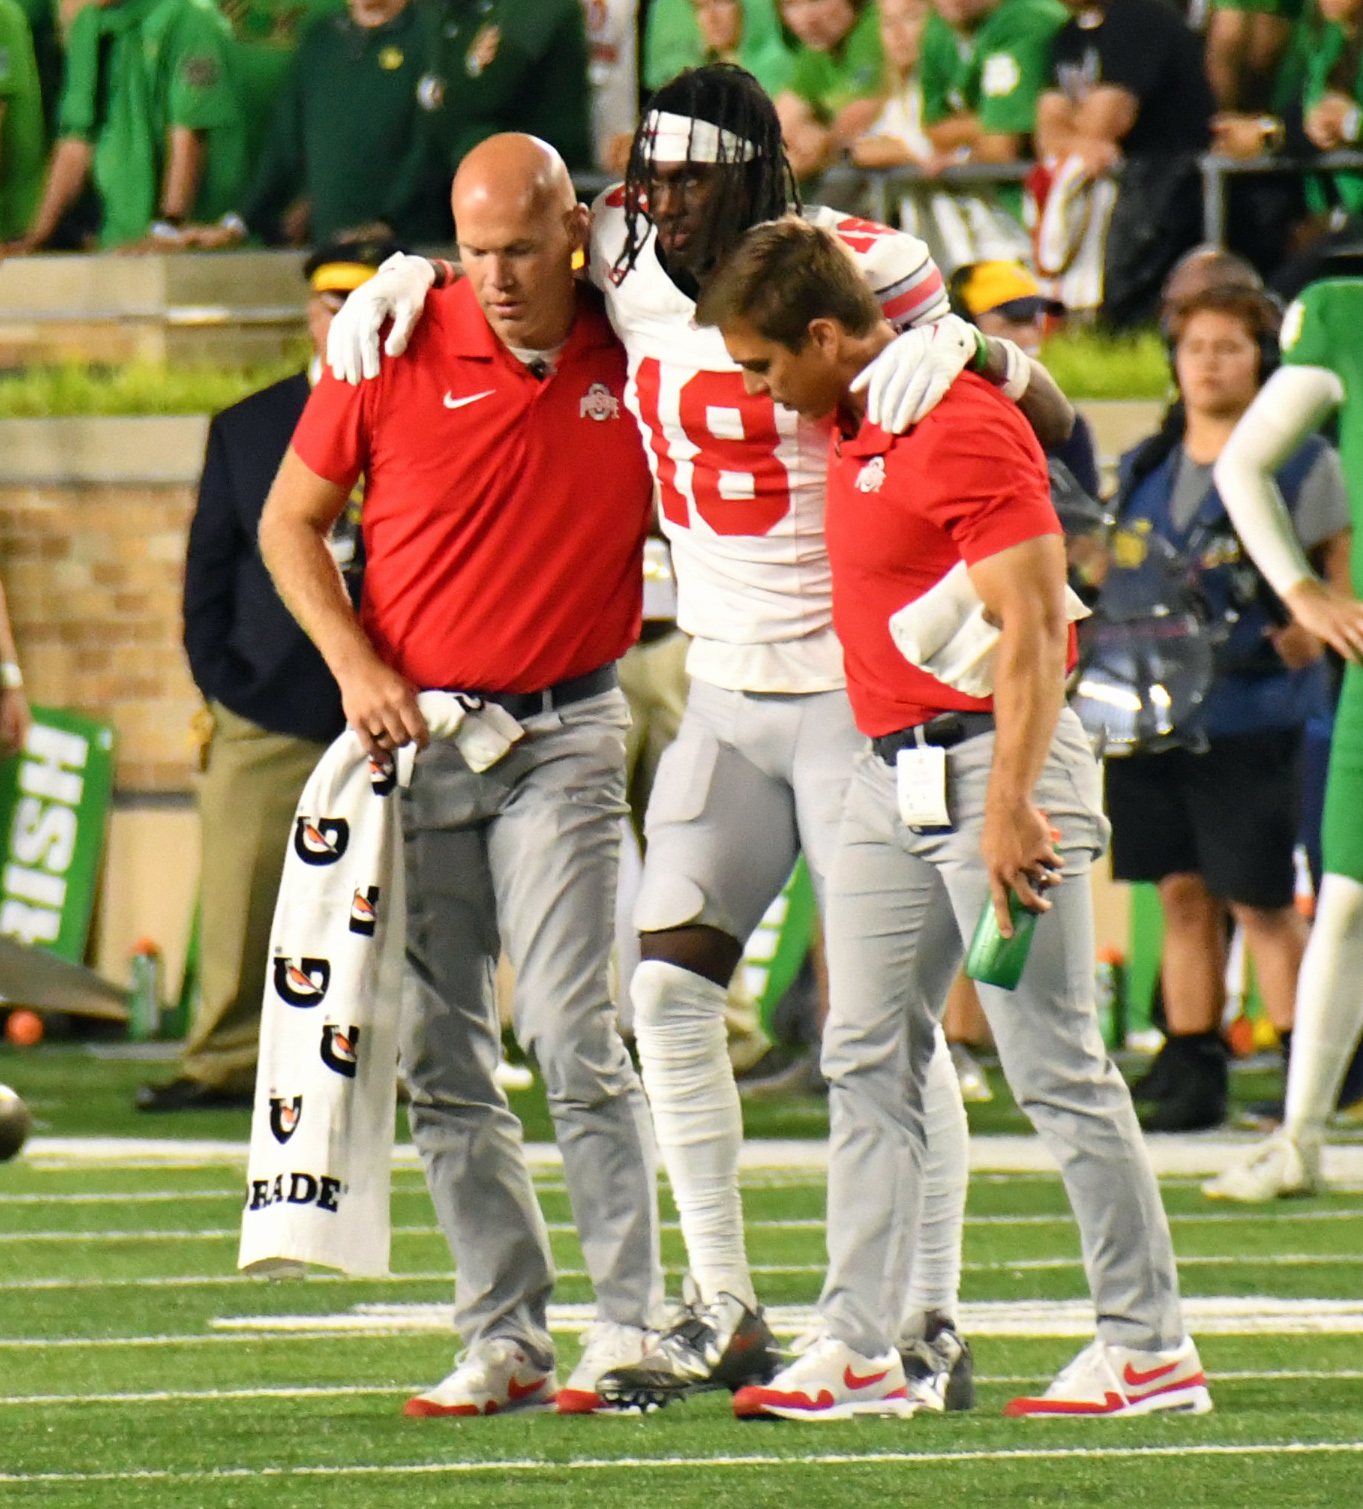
(524, 856)
(899, 904)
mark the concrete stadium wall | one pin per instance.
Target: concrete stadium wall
(93, 520)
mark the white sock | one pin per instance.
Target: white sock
(1329, 1013)
(679, 1028)
(935, 1279)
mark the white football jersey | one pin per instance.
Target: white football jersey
(741, 480)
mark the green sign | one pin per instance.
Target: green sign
(54, 807)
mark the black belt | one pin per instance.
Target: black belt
(944, 731)
(522, 705)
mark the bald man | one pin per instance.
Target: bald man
(506, 505)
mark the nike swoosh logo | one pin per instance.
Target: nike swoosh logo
(1139, 1380)
(514, 1389)
(451, 402)
(852, 1381)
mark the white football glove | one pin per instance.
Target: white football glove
(910, 377)
(397, 292)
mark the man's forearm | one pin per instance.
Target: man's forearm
(1042, 404)
(184, 168)
(66, 174)
(1029, 693)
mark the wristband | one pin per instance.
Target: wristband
(164, 229)
(981, 358)
(11, 677)
(1274, 133)
(1350, 126)
(1017, 371)
(233, 222)
(445, 272)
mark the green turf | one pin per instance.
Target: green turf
(114, 1277)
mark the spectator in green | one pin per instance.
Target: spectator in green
(836, 83)
(1333, 103)
(47, 53)
(347, 148)
(509, 65)
(265, 38)
(1247, 41)
(980, 96)
(690, 33)
(149, 112)
(23, 137)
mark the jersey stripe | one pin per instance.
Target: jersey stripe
(915, 299)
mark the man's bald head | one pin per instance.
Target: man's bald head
(519, 227)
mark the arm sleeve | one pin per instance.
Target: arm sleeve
(1290, 406)
(201, 94)
(332, 438)
(898, 266)
(1322, 503)
(80, 77)
(1011, 81)
(14, 37)
(938, 65)
(216, 544)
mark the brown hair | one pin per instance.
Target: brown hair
(1254, 309)
(780, 277)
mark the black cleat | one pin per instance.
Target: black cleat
(722, 1345)
(190, 1095)
(940, 1372)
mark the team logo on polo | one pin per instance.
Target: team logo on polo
(321, 842)
(364, 911)
(339, 1048)
(383, 774)
(285, 1116)
(599, 403)
(304, 983)
(871, 478)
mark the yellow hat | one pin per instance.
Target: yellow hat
(984, 286)
(342, 265)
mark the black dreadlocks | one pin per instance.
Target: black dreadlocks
(763, 188)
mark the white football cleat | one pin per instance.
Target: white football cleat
(829, 1381)
(605, 1345)
(1107, 1380)
(1275, 1170)
(495, 1377)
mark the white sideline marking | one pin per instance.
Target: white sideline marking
(382, 1390)
(634, 1464)
(1192, 1155)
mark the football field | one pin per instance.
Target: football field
(136, 1367)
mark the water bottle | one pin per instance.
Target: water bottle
(144, 996)
(993, 959)
(1109, 993)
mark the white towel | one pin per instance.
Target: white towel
(945, 633)
(320, 1165)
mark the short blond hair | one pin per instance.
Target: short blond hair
(782, 276)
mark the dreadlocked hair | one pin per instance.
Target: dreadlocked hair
(763, 187)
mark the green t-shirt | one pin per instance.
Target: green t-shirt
(855, 70)
(510, 65)
(347, 134)
(1320, 329)
(23, 136)
(265, 37)
(672, 42)
(133, 71)
(47, 51)
(998, 72)
(1335, 66)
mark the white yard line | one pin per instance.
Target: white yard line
(693, 1463)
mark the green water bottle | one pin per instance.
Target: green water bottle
(144, 996)
(994, 959)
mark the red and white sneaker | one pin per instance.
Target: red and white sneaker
(829, 1381)
(605, 1346)
(1107, 1380)
(494, 1377)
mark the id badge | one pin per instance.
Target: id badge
(921, 780)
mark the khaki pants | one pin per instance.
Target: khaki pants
(247, 796)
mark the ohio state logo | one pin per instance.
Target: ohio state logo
(304, 983)
(599, 403)
(339, 1049)
(285, 1116)
(364, 911)
(871, 478)
(322, 842)
(383, 774)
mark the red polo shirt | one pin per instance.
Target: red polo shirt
(504, 516)
(967, 482)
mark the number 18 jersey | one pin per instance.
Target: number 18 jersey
(741, 480)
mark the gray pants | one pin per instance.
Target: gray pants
(524, 856)
(899, 904)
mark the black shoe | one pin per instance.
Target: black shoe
(1199, 1095)
(1158, 1079)
(190, 1095)
(940, 1371)
(722, 1345)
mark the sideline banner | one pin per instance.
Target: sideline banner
(54, 811)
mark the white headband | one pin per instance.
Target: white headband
(683, 138)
